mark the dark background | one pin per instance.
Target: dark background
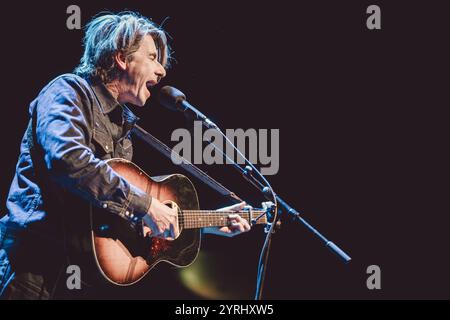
(360, 119)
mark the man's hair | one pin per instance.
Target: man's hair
(108, 34)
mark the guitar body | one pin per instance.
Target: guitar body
(123, 253)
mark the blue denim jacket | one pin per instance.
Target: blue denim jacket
(77, 124)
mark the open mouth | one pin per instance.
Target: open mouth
(150, 84)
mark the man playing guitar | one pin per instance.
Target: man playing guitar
(77, 123)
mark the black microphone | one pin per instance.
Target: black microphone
(175, 100)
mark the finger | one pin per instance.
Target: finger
(240, 206)
(233, 216)
(233, 224)
(237, 226)
(237, 206)
(237, 218)
(246, 225)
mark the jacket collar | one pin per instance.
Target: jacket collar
(108, 103)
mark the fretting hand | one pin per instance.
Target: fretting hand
(237, 225)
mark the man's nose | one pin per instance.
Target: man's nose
(160, 72)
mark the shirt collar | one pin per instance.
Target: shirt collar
(129, 116)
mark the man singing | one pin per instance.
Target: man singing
(76, 123)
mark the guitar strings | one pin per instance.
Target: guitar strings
(205, 218)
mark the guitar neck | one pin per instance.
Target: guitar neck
(194, 219)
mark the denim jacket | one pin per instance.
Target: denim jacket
(76, 126)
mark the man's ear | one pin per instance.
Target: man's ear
(121, 60)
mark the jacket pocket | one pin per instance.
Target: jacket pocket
(103, 144)
(124, 149)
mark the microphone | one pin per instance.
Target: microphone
(175, 100)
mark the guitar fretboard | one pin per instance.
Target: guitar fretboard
(192, 219)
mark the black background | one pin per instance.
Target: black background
(360, 119)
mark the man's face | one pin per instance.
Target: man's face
(142, 72)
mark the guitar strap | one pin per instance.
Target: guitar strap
(183, 163)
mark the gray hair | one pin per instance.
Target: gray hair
(109, 34)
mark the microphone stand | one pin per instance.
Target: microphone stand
(174, 99)
(268, 193)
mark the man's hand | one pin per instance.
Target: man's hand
(162, 221)
(238, 224)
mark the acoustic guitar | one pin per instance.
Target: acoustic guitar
(123, 252)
